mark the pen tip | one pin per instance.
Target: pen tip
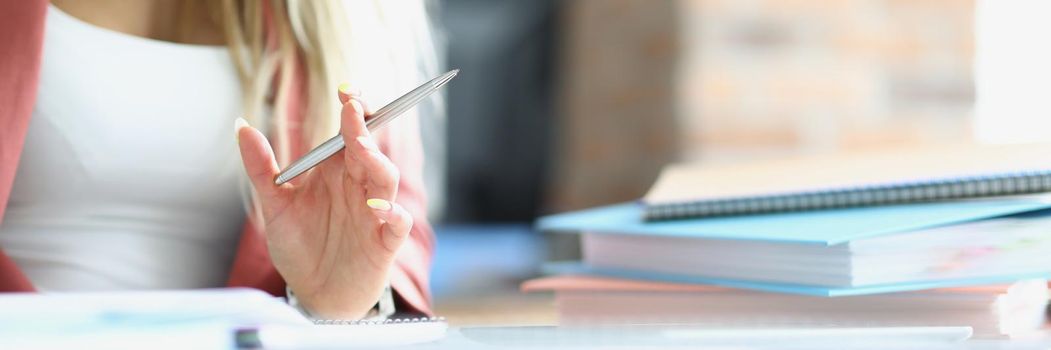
(455, 71)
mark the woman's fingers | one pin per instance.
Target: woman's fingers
(396, 222)
(258, 158)
(345, 93)
(352, 121)
(373, 169)
(365, 163)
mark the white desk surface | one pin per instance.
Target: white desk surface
(460, 338)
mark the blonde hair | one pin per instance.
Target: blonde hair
(270, 41)
(263, 42)
(379, 47)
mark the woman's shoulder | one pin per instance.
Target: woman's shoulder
(21, 17)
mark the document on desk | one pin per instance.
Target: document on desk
(197, 319)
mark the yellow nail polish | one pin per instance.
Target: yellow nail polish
(378, 204)
(344, 88)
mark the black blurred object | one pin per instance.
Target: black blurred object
(500, 110)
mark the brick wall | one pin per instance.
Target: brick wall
(763, 78)
(648, 82)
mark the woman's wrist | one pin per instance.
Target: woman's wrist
(290, 297)
(381, 309)
(333, 307)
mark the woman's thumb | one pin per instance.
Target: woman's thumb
(258, 158)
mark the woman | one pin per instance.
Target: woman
(118, 169)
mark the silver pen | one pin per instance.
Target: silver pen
(380, 118)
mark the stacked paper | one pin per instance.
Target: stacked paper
(972, 263)
(991, 310)
(832, 253)
(987, 248)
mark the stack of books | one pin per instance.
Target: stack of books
(843, 240)
(991, 311)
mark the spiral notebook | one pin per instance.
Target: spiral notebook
(189, 319)
(829, 252)
(849, 180)
(342, 334)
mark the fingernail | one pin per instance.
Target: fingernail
(366, 142)
(238, 124)
(345, 88)
(378, 204)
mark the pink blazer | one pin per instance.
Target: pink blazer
(21, 41)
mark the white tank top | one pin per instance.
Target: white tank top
(128, 178)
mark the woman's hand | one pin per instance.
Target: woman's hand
(333, 232)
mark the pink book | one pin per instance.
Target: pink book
(992, 311)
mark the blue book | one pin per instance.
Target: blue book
(825, 227)
(834, 252)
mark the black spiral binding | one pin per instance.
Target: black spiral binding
(896, 193)
(248, 338)
(378, 322)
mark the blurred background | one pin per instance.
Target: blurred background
(569, 104)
